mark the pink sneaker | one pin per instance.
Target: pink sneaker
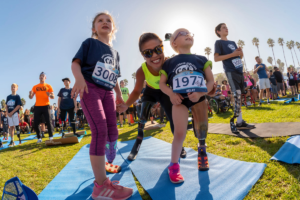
(174, 174)
(111, 191)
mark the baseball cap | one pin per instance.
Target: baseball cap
(14, 189)
(66, 79)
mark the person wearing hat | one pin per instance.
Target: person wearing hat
(43, 92)
(66, 104)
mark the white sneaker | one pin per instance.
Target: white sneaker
(50, 138)
(39, 141)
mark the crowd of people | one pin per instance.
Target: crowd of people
(170, 87)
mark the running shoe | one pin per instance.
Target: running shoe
(244, 125)
(39, 141)
(174, 173)
(110, 190)
(12, 144)
(183, 153)
(202, 158)
(121, 125)
(111, 168)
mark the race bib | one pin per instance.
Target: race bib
(105, 75)
(237, 63)
(189, 81)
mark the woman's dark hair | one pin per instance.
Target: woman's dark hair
(218, 28)
(146, 37)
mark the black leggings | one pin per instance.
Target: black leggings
(150, 97)
(71, 117)
(38, 112)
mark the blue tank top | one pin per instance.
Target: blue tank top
(262, 71)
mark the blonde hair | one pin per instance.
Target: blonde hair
(172, 37)
(14, 85)
(112, 35)
(223, 88)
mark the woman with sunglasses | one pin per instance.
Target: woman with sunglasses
(151, 48)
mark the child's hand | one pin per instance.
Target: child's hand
(122, 108)
(78, 89)
(119, 100)
(195, 96)
(213, 91)
(176, 98)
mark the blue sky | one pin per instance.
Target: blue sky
(41, 36)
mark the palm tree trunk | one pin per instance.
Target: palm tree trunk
(245, 63)
(296, 57)
(258, 51)
(274, 55)
(293, 58)
(284, 57)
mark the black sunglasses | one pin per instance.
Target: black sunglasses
(148, 53)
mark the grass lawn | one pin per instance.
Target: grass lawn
(36, 164)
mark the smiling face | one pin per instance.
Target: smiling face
(181, 41)
(103, 25)
(157, 60)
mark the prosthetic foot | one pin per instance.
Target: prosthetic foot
(135, 149)
(233, 127)
(202, 158)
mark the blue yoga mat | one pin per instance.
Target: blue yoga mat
(5, 146)
(226, 178)
(290, 151)
(75, 180)
(32, 137)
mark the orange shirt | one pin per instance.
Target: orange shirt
(40, 91)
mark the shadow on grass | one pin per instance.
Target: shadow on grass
(129, 135)
(271, 147)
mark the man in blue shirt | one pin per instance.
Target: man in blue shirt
(231, 56)
(264, 82)
(67, 104)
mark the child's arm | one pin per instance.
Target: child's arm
(175, 98)
(119, 94)
(80, 84)
(225, 57)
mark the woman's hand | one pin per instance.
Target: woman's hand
(119, 100)
(176, 98)
(213, 91)
(122, 108)
(79, 88)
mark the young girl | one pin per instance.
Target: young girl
(96, 69)
(224, 91)
(183, 80)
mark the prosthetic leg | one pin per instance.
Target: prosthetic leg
(237, 110)
(200, 126)
(18, 133)
(145, 111)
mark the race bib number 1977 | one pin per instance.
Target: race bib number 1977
(105, 75)
(189, 81)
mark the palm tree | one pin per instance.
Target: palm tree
(3, 104)
(293, 46)
(134, 77)
(281, 43)
(298, 45)
(270, 60)
(255, 42)
(278, 61)
(289, 46)
(241, 44)
(23, 101)
(125, 82)
(207, 51)
(281, 67)
(271, 44)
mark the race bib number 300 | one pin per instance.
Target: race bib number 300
(237, 62)
(105, 75)
(189, 81)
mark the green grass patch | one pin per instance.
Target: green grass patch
(36, 164)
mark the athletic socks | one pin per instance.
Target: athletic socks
(110, 151)
(171, 164)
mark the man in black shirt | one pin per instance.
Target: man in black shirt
(279, 78)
